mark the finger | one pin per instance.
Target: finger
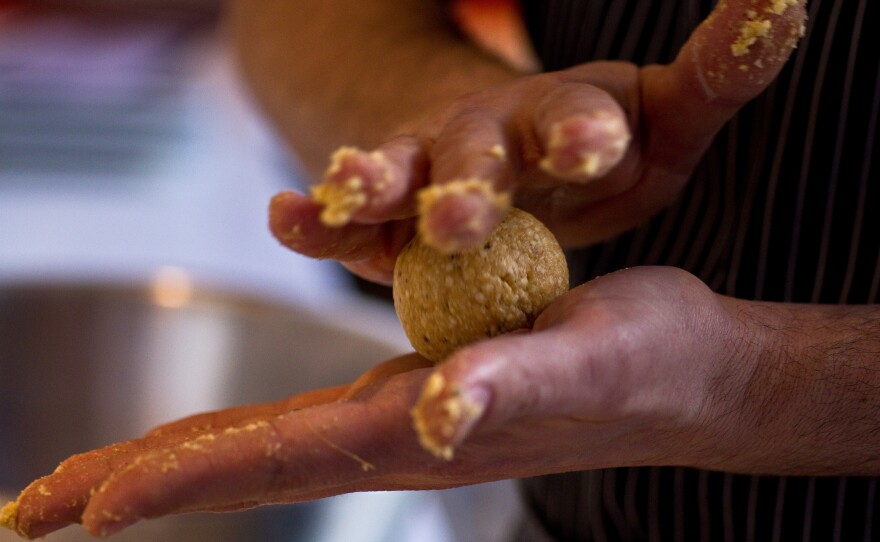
(372, 187)
(395, 366)
(58, 500)
(235, 415)
(728, 60)
(311, 453)
(471, 180)
(584, 132)
(371, 249)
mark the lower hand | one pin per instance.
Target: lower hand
(620, 371)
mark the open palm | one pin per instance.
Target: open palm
(617, 371)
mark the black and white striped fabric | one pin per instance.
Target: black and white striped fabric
(783, 207)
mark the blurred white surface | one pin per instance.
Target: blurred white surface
(126, 149)
(131, 151)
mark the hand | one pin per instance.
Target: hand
(592, 151)
(619, 371)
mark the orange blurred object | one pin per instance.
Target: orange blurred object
(497, 26)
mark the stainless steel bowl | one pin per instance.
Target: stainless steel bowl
(82, 366)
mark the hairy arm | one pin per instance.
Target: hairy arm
(354, 72)
(811, 401)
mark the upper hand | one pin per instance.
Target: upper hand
(592, 151)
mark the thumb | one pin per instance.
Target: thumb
(730, 58)
(525, 373)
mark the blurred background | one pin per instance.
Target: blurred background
(139, 282)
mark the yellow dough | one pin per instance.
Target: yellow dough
(447, 301)
(8, 515)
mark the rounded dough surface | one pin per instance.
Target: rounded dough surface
(446, 301)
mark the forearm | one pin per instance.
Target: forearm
(809, 398)
(344, 72)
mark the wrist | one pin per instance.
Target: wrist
(797, 394)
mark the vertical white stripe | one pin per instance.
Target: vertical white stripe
(654, 532)
(752, 507)
(708, 210)
(572, 33)
(807, 155)
(838, 156)
(726, 230)
(862, 199)
(688, 222)
(598, 11)
(630, 501)
(609, 29)
(778, 151)
(705, 512)
(635, 254)
(838, 510)
(664, 20)
(869, 510)
(635, 29)
(809, 502)
(666, 234)
(779, 510)
(569, 490)
(678, 504)
(754, 181)
(606, 255)
(552, 36)
(594, 505)
(727, 508)
(612, 504)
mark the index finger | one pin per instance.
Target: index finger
(368, 249)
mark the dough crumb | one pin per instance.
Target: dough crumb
(430, 195)
(778, 7)
(498, 152)
(9, 515)
(749, 33)
(340, 200)
(436, 427)
(352, 176)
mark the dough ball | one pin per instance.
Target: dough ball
(446, 301)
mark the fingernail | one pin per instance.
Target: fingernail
(284, 224)
(352, 177)
(459, 215)
(446, 414)
(586, 146)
